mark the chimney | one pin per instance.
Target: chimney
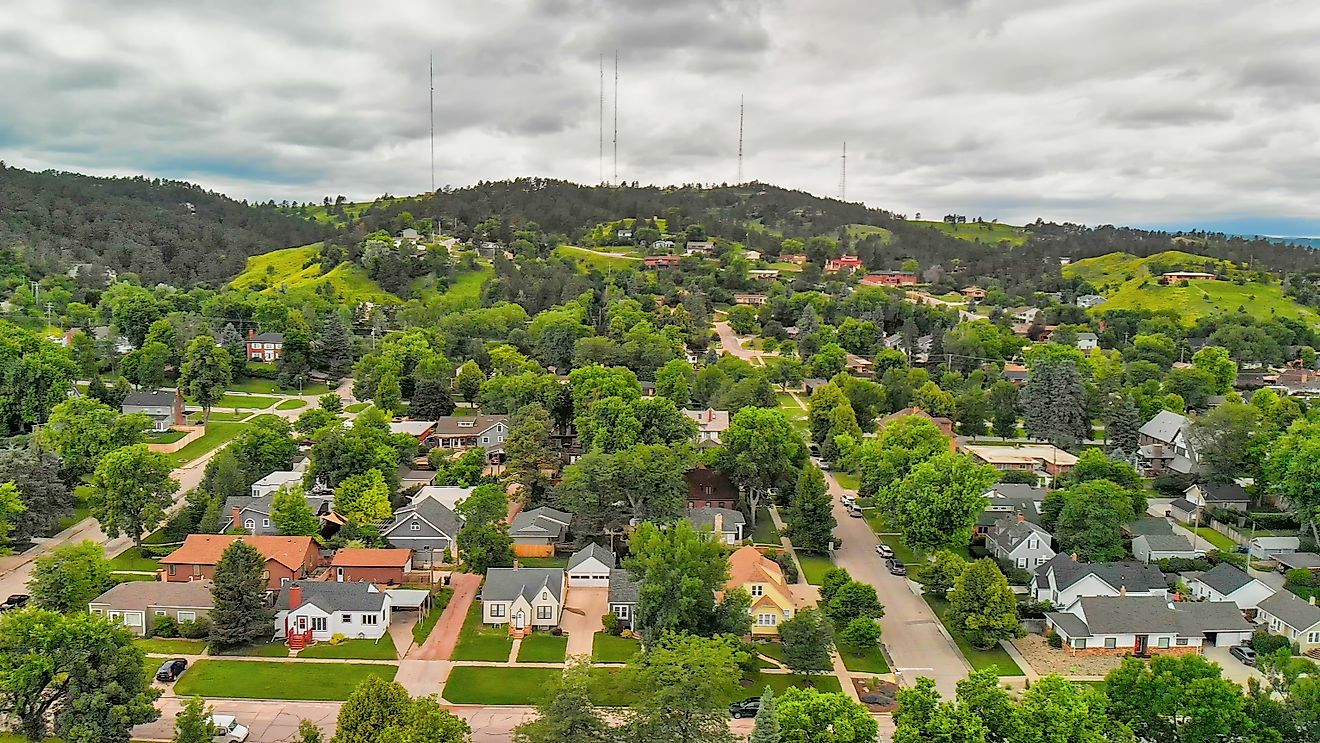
(1021, 517)
(295, 596)
(719, 525)
(252, 333)
(1074, 557)
(237, 515)
(1122, 590)
(710, 415)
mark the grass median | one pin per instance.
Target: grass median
(250, 679)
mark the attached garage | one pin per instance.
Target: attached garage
(590, 567)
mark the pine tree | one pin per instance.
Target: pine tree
(810, 517)
(193, 724)
(336, 347)
(240, 616)
(1054, 403)
(767, 720)
(233, 342)
(431, 400)
(1121, 425)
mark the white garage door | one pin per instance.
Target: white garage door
(1229, 639)
(587, 580)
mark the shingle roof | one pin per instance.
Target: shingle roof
(591, 550)
(155, 398)
(196, 593)
(1230, 493)
(205, 549)
(1109, 615)
(507, 584)
(1196, 617)
(1131, 575)
(1167, 542)
(1071, 624)
(332, 596)
(704, 518)
(455, 425)
(1164, 426)
(268, 338)
(1291, 609)
(1182, 504)
(623, 589)
(1224, 578)
(1308, 560)
(433, 511)
(371, 558)
(540, 522)
(260, 504)
(1008, 533)
(1149, 525)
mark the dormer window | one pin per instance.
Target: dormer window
(467, 424)
(707, 490)
(757, 590)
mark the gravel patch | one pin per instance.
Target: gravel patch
(1046, 660)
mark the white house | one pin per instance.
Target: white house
(271, 483)
(1087, 341)
(1090, 300)
(1152, 547)
(711, 423)
(447, 495)
(318, 610)
(1267, 548)
(1288, 615)
(1225, 582)
(590, 567)
(1146, 625)
(523, 598)
(1063, 580)
(1019, 541)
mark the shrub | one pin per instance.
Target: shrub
(1301, 577)
(197, 629)
(556, 631)
(337, 638)
(1183, 564)
(1033, 609)
(1264, 643)
(611, 623)
(1055, 640)
(1016, 576)
(165, 627)
(789, 567)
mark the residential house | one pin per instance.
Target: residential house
(1152, 547)
(163, 407)
(1226, 582)
(752, 255)
(421, 430)
(1146, 525)
(264, 347)
(272, 482)
(311, 610)
(750, 299)
(1297, 619)
(623, 233)
(1182, 277)
(797, 259)
(447, 495)
(708, 488)
(623, 596)
(844, 263)
(1298, 382)
(758, 575)
(1062, 580)
(1015, 373)
(662, 245)
(711, 423)
(411, 478)
(1228, 496)
(1010, 499)
(1267, 548)
(1184, 510)
(408, 234)
(536, 532)
(944, 424)
(704, 247)
(1146, 625)
(1087, 341)
(463, 432)
(523, 598)
(1019, 542)
(974, 293)
(1024, 315)
(253, 514)
(1046, 460)
(763, 274)
(1163, 446)
(590, 567)
(388, 567)
(889, 278)
(427, 527)
(858, 366)
(810, 385)
(727, 524)
(1087, 301)
(138, 603)
(1298, 561)
(286, 558)
(661, 261)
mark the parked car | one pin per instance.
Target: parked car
(849, 501)
(1244, 653)
(15, 601)
(825, 465)
(895, 566)
(746, 708)
(855, 512)
(171, 670)
(227, 729)
(884, 550)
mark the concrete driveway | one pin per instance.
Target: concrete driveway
(909, 629)
(581, 620)
(1234, 669)
(444, 636)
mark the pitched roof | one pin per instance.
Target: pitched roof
(1291, 609)
(540, 522)
(331, 596)
(709, 419)
(371, 558)
(467, 425)
(1224, 578)
(1210, 616)
(1164, 426)
(279, 478)
(1148, 525)
(1134, 576)
(205, 549)
(430, 510)
(623, 589)
(507, 584)
(748, 565)
(705, 517)
(721, 486)
(1166, 542)
(1008, 533)
(1227, 493)
(260, 504)
(154, 398)
(1184, 505)
(1308, 560)
(1107, 615)
(196, 593)
(601, 554)
(267, 338)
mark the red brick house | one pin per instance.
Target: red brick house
(287, 558)
(847, 263)
(889, 278)
(382, 566)
(264, 347)
(709, 488)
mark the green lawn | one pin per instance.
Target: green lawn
(770, 650)
(608, 688)
(357, 407)
(498, 685)
(275, 649)
(814, 566)
(382, 649)
(217, 435)
(779, 683)
(272, 680)
(295, 271)
(765, 532)
(870, 661)
(858, 231)
(477, 642)
(542, 647)
(219, 416)
(254, 402)
(606, 648)
(290, 404)
(1220, 541)
(270, 387)
(170, 646)
(992, 234)
(422, 629)
(588, 258)
(133, 559)
(995, 657)
(166, 437)
(543, 562)
(848, 481)
(82, 508)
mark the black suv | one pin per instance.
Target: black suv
(171, 670)
(896, 566)
(746, 708)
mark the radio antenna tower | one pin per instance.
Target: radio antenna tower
(431, 75)
(740, 137)
(600, 159)
(616, 116)
(843, 174)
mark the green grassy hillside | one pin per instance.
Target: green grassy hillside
(295, 270)
(585, 257)
(1129, 284)
(858, 231)
(991, 233)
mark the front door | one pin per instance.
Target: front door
(339, 575)
(302, 624)
(519, 620)
(1143, 643)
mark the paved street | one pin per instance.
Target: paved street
(910, 630)
(730, 343)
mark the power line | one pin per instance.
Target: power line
(740, 138)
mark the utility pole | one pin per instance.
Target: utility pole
(431, 74)
(600, 160)
(843, 174)
(740, 138)
(616, 116)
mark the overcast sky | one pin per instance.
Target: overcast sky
(1159, 113)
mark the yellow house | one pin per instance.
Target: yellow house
(772, 602)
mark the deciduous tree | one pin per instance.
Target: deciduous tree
(679, 573)
(364, 500)
(567, 712)
(131, 488)
(762, 450)
(937, 503)
(67, 579)
(808, 640)
(982, 606)
(291, 514)
(193, 723)
(206, 373)
(82, 430)
(829, 717)
(681, 686)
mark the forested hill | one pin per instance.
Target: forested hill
(163, 231)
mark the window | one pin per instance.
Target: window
(265, 522)
(757, 590)
(160, 612)
(1033, 544)
(707, 490)
(172, 567)
(621, 611)
(788, 614)
(97, 612)
(318, 624)
(197, 569)
(1164, 642)
(1080, 643)
(1111, 642)
(545, 612)
(1182, 640)
(1022, 562)
(415, 526)
(371, 619)
(1313, 636)
(187, 616)
(346, 618)
(496, 610)
(766, 620)
(265, 575)
(1040, 561)
(249, 524)
(485, 439)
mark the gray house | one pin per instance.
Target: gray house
(427, 527)
(1152, 547)
(253, 514)
(623, 596)
(537, 531)
(138, 603)
(727, 523)
(1020, 542)
(163, 407)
